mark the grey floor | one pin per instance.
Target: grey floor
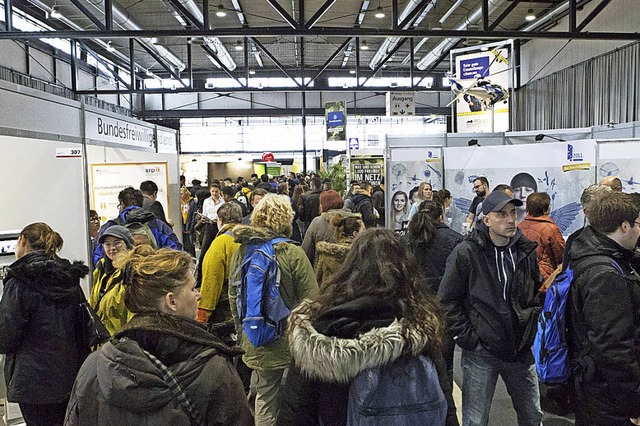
(502, 412)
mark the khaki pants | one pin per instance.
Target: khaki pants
(268, 396)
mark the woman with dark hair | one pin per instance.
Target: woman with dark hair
(400, 203)
(331, 255)
(320, 229)
(372, 311)
(39, 314)
(162, 368)
(431, 242)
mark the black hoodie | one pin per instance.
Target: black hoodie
(38, 320)
(490, 295)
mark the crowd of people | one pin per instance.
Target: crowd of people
(362, 307)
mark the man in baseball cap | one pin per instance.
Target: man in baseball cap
(489, 292)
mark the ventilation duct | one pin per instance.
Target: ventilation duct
(214, 43)
(389, 43)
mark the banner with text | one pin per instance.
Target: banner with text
(108, 129)
(336, 117)
(370, 169)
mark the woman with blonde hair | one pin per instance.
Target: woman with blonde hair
(272, 218)
(425, 193)
(39, 314)
(162, 367)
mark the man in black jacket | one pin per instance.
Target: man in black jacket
(363, 205)
(309, 206)
(489, 292)
(605, 313)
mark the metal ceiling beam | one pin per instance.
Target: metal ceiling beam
(413, 14)
(165, 66)
(215, 58)
(507, 11)
(108, 15)
(115, 74)
(8, 15)
(318, 31)
(331, 58)
(283, 13)
(275, 60)
(186, 14)
(593, 14)
(384, 61)
(88, 14)
(223, 90)
(316, 16)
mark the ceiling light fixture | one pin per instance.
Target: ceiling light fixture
(252, 71)
(379, 12)
(530, 15)
(55, 13)
(221, 12)
(239, 46)
(110, 48)
(352, 71)
(364, 45)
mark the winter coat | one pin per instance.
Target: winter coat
(215, 275)
(545, 232)
(482, 310)
(297, 282)
(331, 256)
(321, 230)
(165, 237)
(107, 296)
(378, 201)
(605, 324)
(434, 259)
(362, 204)
(309, 207)
(329, 352)
(155, 207)
(39, 316)
(120, 385)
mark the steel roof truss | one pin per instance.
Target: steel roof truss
(275, 60)
(593, 14)
(316, 16)
(384, 61)
(213, 56)
(285, 15)
(413, 14)
(114, 73)
(87, 12)
(188, 16)
(331, 58)
(161, 62)
(504, 14)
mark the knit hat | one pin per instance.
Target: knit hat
(523, 179)
(120, 232)
(496, 201)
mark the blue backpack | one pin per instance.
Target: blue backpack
(404, 392)
(259, 304)
(550, 347)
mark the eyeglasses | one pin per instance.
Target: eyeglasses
(478, 186)
(117, 244)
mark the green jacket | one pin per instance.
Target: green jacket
(107, 296)
(297, 282)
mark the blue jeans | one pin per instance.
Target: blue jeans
(480, 371)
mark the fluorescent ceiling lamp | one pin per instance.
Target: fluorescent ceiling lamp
(352, 71)
(450, 11)
(221, 12)
(364, 45)
(530, 15)
(238, 46)
(379, 12)
(55, 13)
(252, 71)
(110, 48)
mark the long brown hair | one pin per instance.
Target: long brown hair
(380, 264)
(40, 236)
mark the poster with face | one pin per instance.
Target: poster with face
(409, 167)
(561, 169)
(620, 159)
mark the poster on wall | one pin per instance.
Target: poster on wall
(487, 75)
(407, 169)
(336, 117)
(621, 159)
(108, 179)
(561, 169)
(370, 169)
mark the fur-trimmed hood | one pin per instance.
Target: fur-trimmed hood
(55, 278)
(334, 359)
(246, 234)
(338, 250)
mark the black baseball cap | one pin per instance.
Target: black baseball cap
(496, 201)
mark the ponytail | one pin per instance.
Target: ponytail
(40, 236)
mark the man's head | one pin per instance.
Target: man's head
(149, 188)
(538, 204)
(523, 185)
(227, 193)
(196, 182)
(612, 182)
(228, 181)
(499, 212)
(229, 213)
(315, 184)
(264, 178)
(366, 187)
(130, 197)
(481, 186)
(254, 177)
(616, 215)
(590, 194)
(240, 180)
(504, 188)
(214, 190)
(257, 195)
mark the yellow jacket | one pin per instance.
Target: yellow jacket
(107, 297)
(215, 273)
